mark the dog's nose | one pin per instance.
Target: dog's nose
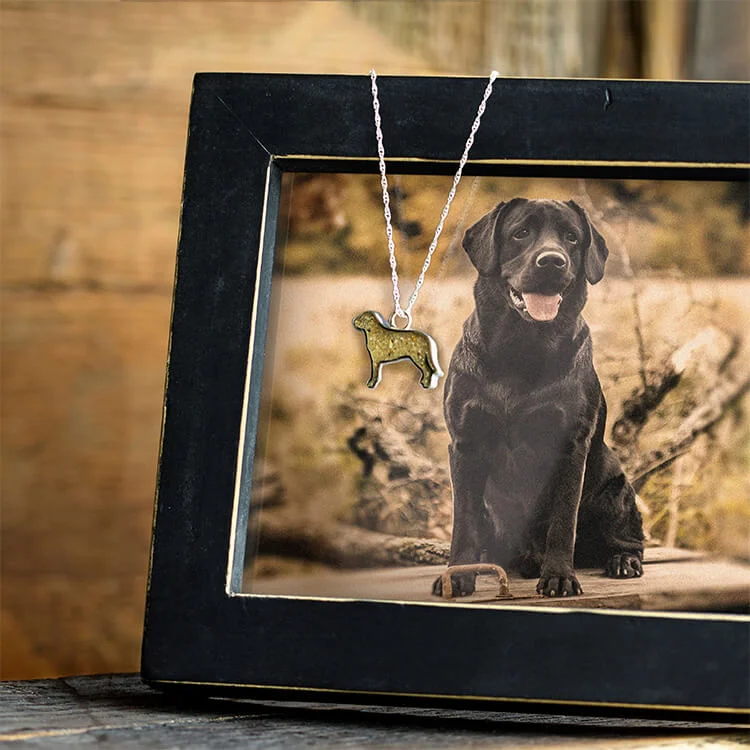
(551, 259)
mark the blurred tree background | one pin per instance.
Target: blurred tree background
(94, 109)
(334, 223)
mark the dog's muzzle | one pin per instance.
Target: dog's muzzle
(551, 259)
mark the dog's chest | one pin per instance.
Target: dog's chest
(512, 399)
(529, 418)
(501, 399)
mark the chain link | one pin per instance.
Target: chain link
(398, 311)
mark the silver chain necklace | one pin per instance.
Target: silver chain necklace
(385, 342)
(398, 311)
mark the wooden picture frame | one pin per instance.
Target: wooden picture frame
(201, 632)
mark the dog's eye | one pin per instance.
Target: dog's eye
(570, 237)
(520, 234)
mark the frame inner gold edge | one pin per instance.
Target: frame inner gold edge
(278, 161)
(280, 158)
(274, 160)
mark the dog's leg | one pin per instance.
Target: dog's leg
(610, 525)
(624, 536)
(557, 577)
(428, 373)
(611, 528)
(528, 561)
(469, 470)
(375, 372)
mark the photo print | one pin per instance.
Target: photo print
(599, 464)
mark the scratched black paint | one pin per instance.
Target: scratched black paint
(240, 125)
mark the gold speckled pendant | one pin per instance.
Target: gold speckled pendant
(386, 344)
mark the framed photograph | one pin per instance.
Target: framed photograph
(523, 484)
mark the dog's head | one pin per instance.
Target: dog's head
(367, 321)
(538, 249)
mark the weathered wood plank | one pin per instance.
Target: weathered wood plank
(142, 56)
(99, 360)
(118, 711)
(671, 581)
(666, 27)
(81, 390)
(91, 201)
(525, 37)
(94, 119)
(720, 45)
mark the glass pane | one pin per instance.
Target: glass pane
(351, 489)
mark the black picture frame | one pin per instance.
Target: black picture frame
(244, 132)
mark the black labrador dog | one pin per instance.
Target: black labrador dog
(535, 489)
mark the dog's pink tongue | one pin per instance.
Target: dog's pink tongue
(542, 306)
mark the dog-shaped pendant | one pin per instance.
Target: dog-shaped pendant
(387, 344)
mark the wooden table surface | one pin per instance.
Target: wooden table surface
(118, 711)
(674, 580)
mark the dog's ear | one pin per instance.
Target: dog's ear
(595, 250)
(479, 240)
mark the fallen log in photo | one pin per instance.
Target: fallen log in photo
(345, 545)
(700, 420)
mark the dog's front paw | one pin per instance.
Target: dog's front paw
(554, 583)
(624, 565)
(463, 584)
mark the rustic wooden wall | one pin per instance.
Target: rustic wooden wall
(661, 39)
(522, 37)
(95, 101)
